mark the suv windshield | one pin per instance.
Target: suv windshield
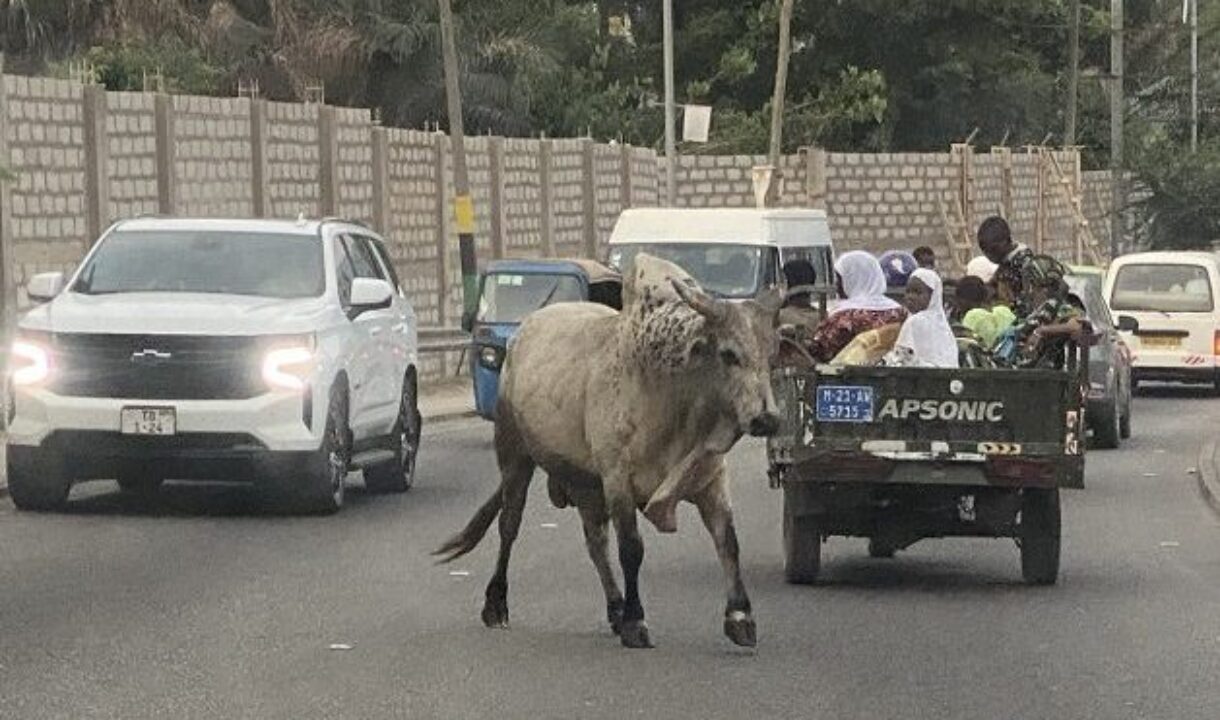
(724, 269)
(205, 261)
(508, 297)
(1162, 288)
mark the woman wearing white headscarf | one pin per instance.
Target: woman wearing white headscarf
(863, 307)
(926, 340)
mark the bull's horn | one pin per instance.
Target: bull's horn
(700, 301)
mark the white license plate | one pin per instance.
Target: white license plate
(149, 421)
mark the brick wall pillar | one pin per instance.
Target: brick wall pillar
(495, 151)
(97, 153)
(815, 177)
(625, 176)
(328, 155)
(444, 188)
(548, 198)
(381, 180)
(589, 198)
(167, 197)
(258, 157)
(8, 288)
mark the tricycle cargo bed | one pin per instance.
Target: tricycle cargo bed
(1015, 428)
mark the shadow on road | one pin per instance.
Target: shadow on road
(1176, 392)
(194, 499)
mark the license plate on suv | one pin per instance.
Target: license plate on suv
(149, 421)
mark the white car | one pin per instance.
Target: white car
(1173, 325)
(282, 353)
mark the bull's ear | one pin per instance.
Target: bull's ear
(701, 302)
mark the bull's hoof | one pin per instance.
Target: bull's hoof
(495, 616)
(614, 613)
(663, 516)
(558, 493)
(739, 627)
(634, 634)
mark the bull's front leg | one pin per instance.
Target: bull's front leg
(688, 477)
(717, 514)
(681, 482)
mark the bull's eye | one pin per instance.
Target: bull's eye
(729, 358)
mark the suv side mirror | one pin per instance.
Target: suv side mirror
(467, 321)
(370, 294)
(1126, 323)
(45, 286)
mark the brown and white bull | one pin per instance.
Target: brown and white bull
(626, 411)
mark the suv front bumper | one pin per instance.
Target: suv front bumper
(274, 422)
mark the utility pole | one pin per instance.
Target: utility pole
(1069, 131)
(463, 204)
(1194, 75)
(1117, 195)
(777, 101)
(671, 150)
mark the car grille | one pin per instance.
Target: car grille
(158, 367)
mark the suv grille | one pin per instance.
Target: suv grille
(158, 367)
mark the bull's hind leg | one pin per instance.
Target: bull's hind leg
(516, 470)
(634, 633)
(597, 539)
(717, 514)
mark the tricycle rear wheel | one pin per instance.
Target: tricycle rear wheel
(1038, 535)
(802, 548)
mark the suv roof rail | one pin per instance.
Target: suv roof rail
(345, 221)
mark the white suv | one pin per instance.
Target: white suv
(280, 353)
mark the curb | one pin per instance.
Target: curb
(450, 416)
(1209, 479)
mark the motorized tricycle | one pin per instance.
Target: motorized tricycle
(509, 290)
(900, 454)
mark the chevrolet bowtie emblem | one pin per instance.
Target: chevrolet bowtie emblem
(150, 356)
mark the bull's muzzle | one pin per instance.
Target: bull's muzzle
(764, 425)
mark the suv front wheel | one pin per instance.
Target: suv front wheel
(37, 479)
(318, 484)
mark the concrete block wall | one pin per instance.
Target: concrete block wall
(213, 176)
(132, 154)
(611, 188)
(45, 222)
(567, 189)
(292, 154)
(523, 201)
(885, 201)
(354, 164)
(83, 157)
(647, 178)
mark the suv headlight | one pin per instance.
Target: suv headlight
(29, 361)
(289, 365)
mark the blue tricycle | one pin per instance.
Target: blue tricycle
(511, 289)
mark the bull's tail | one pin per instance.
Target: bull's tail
(470, 536)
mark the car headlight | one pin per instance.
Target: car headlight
(288, 367)
(29, 363)
(491, 357)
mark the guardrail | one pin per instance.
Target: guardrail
(435, 339)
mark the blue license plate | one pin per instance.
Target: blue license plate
(844, 403)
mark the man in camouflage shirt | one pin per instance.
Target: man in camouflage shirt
(995, 240)
(1056, 317)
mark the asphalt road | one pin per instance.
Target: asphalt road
(193, 606)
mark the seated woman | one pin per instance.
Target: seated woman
(864, 307)
(926, 340)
